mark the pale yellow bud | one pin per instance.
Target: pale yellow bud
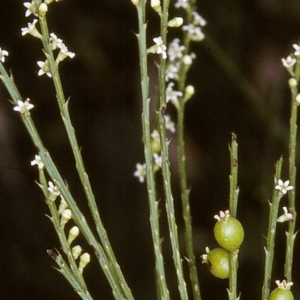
(62, 206)
(43, 8)
(298, 99)
(76, 251)
(65, 217)
(73, 234)
(292, 82)
(188, 92)
(135, 2)
(155, 4)
(84, 260)
(176, 22)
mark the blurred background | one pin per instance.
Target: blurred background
(241, 87)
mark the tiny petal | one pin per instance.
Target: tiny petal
(140, 172)
(3, 53)
(38, 161)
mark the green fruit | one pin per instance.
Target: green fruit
(218, 261)
(282, 292)
(228, 232)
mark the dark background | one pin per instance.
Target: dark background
(242, 89)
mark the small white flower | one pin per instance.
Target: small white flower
(159, 47)
(38, 161)
(53, 189)
(285, 217)
(45, 68)
(297, 49)
(3, 53)
(172, 71)
(31, 8)
(23, 107)
(157, 162)
(169, 124)
(283, 187)
(31, 29)
(63, 53)
(182, 3)
(175, 50)
(140, 172)
(289, 62)
(198, 20)
(172, 95)
(194, 32)
(55, 41)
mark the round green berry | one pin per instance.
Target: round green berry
(228, 231)
(218, 262)
(282, 292)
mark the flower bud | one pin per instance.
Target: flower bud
(62, 206)
(43, 8)
(135, 2)
(188, 92)
(155, 4)
(175, 22)
(65, 217)
(73, 234)
(298, 99)
(76, 251)
(84, 260)
(292, 82)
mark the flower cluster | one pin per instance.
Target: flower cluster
(291, 60)
(54, 41)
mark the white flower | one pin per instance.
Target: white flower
(45, 68)
(172, 71)
(194, 32)
(159, 47)
(63, 53)
(297, 49)
(182, 3)
(140, 172)
(169, 124)
(283, 187)
(198, 20)
(172, 95)
(31, 8)
(157, 161)
(289, 62)
(3, 53)
(285, 217)
(23, 107)
(31, 29)
(38, 161)
(175, 50)
(55, 41)
(53, 189)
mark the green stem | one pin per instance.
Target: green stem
(233, 202)
(269, 249)
(291, 235)
(151, 187)
(165, 161)
(185, 192)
